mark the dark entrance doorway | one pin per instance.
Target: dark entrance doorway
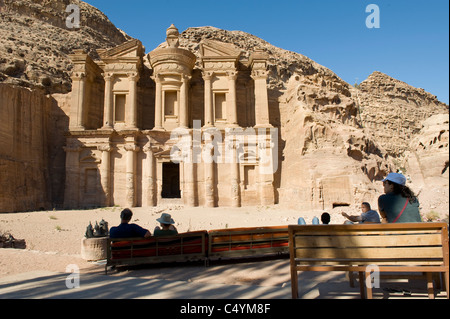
(171, 181)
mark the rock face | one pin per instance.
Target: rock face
(426, 162)
(328, 160)
(24, 156)
(336, 141)
(36, 41)
(34, 54)
(393, 111)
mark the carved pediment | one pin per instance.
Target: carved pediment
(216, 49)
(129, 49)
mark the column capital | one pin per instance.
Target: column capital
(232, 75)
(104, 148)
(133, 76)
(150, 149)
(157, 78)
(108, 76)
(186, 77)
(131, 148)
(259, 74)
(78, 76)
(207, 75)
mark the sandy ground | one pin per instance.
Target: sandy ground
(53, 238)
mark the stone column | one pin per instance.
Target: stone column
(108, 115)
(266, 189)
(149, 177)
(105, 173)
(261, 98)
(235, 177)
(130, 184)
(209, 112)
(209, 180)
(158, 104)
(72, 185)
(131, 115)
(232, 106)
(184, 105)
(189, 196)
(78, 107)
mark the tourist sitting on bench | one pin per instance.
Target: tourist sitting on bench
(368, 216)
(167, 228)
(127, 230)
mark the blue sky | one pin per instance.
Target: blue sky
(411, 45)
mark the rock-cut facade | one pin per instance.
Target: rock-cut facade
(170, 126)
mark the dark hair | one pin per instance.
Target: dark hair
(404, 191)
(126, 214)
(325, 218)
(367, 205)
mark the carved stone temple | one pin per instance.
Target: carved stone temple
(170, 126)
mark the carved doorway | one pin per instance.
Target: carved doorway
(171, 181)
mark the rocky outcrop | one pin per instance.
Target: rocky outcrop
(36, 41)
(328, 159)
(393, 111)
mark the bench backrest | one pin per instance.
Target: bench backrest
(247, 242)
(186, 245)
(380, 244)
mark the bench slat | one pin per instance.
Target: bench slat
(368, 241)
(367, 261)
(370, 252)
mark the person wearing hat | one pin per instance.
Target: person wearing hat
(398, 204)
(167, 228)
(127, 230)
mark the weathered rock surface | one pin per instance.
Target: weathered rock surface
(24, 156)
(427, 161)
(393, 111)
(36, 41)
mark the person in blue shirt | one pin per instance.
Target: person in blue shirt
(127, 230)
(368, 216)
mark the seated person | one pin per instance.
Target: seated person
(398, 204)
(325, 218)
(127, 230)
(167, 228)
(368, 216)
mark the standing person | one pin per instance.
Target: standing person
(398, 204)
(167, 228)
(368, 216)
(127, 230)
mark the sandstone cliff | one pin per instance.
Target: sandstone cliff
(36, 41)
(24, 154)
(34, 62)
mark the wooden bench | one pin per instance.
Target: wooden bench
(248, 242)
(136, 251)
(394, 248)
